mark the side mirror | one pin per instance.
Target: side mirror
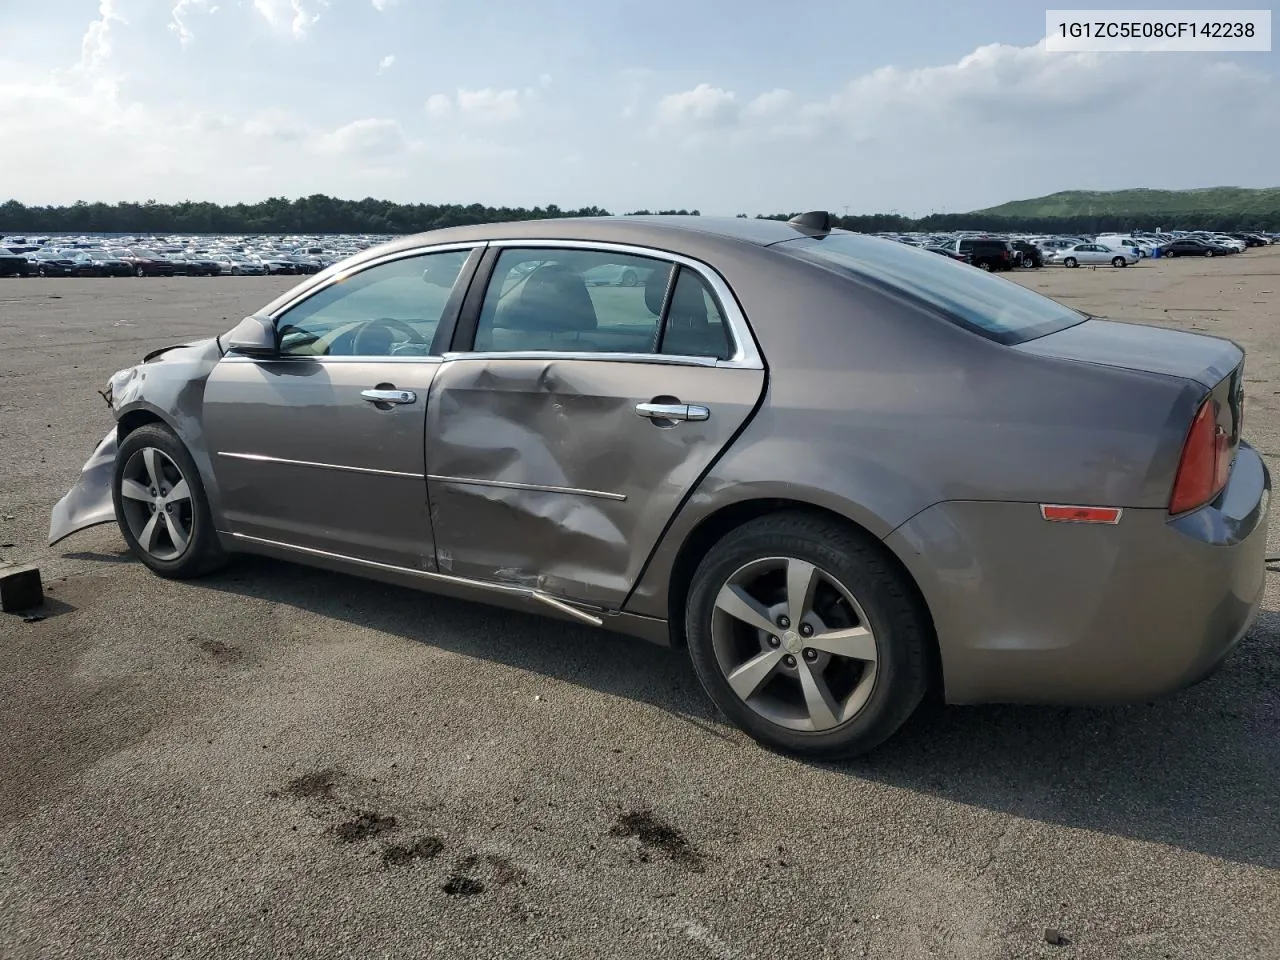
(254, 336)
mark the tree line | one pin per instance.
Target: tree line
(320, 214)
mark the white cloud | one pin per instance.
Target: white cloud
(275, 125)
(703, 106)
(180, 17)
(487, 105)
(386, 63)
(439, 105)
(926, 135)
(95, 47)
(770, 104)
(369, 137)
(297, 16)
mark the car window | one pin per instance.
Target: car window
(392, 309)
(591, 301)
(696, 326)
(986, 304)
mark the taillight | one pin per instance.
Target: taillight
(1205, 462)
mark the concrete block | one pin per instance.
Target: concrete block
(20, 587)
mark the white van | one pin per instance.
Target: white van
(1115, 240)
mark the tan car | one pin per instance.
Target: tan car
(835, 468)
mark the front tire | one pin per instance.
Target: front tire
(1208, 253)
(161, 507)
(805, 634)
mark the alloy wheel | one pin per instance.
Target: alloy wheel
(156, 502)
(794, 644)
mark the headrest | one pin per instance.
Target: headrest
(655, 289)
(552, 298)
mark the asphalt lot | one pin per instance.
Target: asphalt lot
(278, 761)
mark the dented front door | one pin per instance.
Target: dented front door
(562, 473)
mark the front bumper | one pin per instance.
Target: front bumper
(89, 502)
(1036, 612)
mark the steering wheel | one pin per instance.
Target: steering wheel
(361, 345)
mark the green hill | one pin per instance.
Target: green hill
(1237, 202)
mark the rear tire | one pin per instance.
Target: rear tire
(161, 506)
(1119, 262)
(844, 678)
(1071, 262)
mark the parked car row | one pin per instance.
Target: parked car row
(1005, 252)
(186, 256)
(212, 256)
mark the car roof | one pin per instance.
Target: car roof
(669, 232)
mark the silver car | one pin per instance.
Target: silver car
(1094, 253)
(836, 469)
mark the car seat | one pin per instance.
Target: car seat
(552, 311)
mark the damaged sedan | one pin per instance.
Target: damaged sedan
(837, 470)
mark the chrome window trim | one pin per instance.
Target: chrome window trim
(536, 487)
(661, 358)
(264, 458)
(746, 353)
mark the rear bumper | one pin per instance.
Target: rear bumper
(1035, 612)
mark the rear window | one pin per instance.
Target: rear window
(996, 308)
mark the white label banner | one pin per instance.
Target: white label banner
(1103, 31)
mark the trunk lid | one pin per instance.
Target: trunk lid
(1215, 363)
(1135, 346)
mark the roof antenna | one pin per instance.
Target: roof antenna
(819, 220)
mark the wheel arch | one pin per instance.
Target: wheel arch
(138, 417)
(711, 529)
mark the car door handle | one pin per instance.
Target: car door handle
(389, 396)
(672, 411)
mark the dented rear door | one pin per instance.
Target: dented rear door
(541, 471)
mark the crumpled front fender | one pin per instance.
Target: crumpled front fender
(89, 502)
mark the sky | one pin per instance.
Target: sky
(727, 106)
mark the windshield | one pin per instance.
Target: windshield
(991, 306)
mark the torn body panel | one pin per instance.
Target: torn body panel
(542, 473)
(88, 503)
(167, 386)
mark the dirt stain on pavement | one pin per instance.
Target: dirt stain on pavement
(423, 848)
(221, 652)
(460, 885)
(656, 834)
(318, 784)
(364, 825)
